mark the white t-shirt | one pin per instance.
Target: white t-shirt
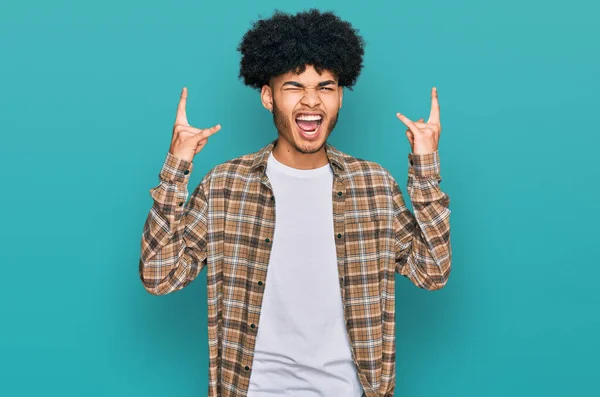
(302, 349)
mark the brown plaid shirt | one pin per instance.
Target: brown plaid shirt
(228, 224)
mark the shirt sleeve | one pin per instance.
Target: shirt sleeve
(423, 249)
(173, 246)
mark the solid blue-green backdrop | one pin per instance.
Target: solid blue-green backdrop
(88, 96)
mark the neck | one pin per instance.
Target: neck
(288, 155)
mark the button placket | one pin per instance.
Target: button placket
(267, 232)
(339, 198)
(339, 229)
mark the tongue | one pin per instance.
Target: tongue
(307, 125)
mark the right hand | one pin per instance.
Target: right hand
(188, 141)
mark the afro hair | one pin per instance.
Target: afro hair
(287, 43)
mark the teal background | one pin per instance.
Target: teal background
(88, 95)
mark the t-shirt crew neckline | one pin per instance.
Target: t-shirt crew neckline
(298, 172)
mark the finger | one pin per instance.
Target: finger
(214, 129)
(411, 126)
(434, 114)
(425, 125)
(200, 145)
(188, 129)
(417, 123)
(410, 137)
(181, 117)
(205, 133)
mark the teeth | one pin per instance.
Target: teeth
(309, 118)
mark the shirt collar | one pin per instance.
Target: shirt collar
(334, 156)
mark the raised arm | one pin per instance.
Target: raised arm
(173, 246)
(423, 249)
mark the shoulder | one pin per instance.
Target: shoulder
(235, 170)
(364, 170)
(240, 166)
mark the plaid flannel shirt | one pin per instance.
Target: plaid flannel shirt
(228, 225)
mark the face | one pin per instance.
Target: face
(301, 103)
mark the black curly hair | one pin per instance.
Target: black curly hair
(287, 43)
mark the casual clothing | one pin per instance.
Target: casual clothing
(229, 226)
(302, 349)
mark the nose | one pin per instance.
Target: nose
(311, 97)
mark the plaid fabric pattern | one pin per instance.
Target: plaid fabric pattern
(227, 227)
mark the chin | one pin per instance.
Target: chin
(309, 146)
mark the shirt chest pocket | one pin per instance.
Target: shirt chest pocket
(361, 242)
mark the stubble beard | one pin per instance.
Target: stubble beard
(285, 129)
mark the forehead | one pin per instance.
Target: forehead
(309, 76)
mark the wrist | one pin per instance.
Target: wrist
(176, 169)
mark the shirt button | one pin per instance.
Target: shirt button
(180, 204)
(267, 240)
(260, 283)
(339, 235)
(252, 326)
(247, 368)
(186, 172)
(272, 198)
(339, 193)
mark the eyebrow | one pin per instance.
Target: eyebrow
(296, 84)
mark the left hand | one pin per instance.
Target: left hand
(424, 137)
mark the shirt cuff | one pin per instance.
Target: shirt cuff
(175, 169)
(424, 165)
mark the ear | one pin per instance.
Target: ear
(341, 94)
(266, 96)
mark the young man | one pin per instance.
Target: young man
(301, 241)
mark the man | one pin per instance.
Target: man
(301, 241)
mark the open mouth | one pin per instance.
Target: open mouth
(309, 123)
